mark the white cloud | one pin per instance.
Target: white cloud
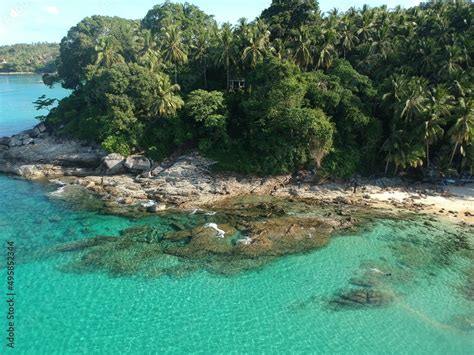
(53, 10)
(13, 13)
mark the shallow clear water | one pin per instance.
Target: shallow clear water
(282, 307)
(17, 93)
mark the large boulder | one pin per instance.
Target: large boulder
(69, 153)
(137, 164)
(37, 130)
(113, 164)
(19, 140)
(5, 141)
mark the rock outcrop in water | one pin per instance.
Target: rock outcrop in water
(35, 154)
(254, 234)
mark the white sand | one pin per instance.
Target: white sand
(457, 203)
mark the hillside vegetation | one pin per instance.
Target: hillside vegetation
(370, 90)
(33, 58)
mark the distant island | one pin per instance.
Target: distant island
(29, 58)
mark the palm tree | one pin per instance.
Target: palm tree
(302, 54)
(258, 43)
(347, 38)
(326, 56)
(280, 49)
(201, 49)
(174, 50)
(451, 65)
(149, 51)
(432, 132)
(437, 111)
(414, 98)
(463, 129)
(392, 146)
(107, 53)
(226, 49)
(426, 50)
(169, 102)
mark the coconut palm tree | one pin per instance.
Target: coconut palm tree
(392, 146)
(432, 132)
(149, 51)
(169, 101)
(463, 129)
(258, 42)
(437, 112)
(280, 49)
(174, 50)
(201, 50)
(107, 53)
(326, 56)
(415, 98)
(347, 38)
(226, 49)
(302, 51)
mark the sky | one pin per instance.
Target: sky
(27, 21)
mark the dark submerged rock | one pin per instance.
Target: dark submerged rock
(360, 298)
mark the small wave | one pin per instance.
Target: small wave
(58, 192)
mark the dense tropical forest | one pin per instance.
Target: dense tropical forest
(29, 58)
(370, 90)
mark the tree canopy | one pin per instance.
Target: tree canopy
(369, 90)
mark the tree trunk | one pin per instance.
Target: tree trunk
(228, 78)
(205, 76)
(428, 156)
(454, 153)
(388, 162)
(176, 73)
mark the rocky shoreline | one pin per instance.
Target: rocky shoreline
(189, 182)
(226, 224)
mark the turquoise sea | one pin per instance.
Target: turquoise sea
(17, 92)
(280, 308)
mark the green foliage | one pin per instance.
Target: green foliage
(207, 108)
(279, 133)
(121, 101)
(341, 163)
(98, 40)
(37, 58)
(287, 16)
(117, 144)
(363, 91)
(43, 103)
